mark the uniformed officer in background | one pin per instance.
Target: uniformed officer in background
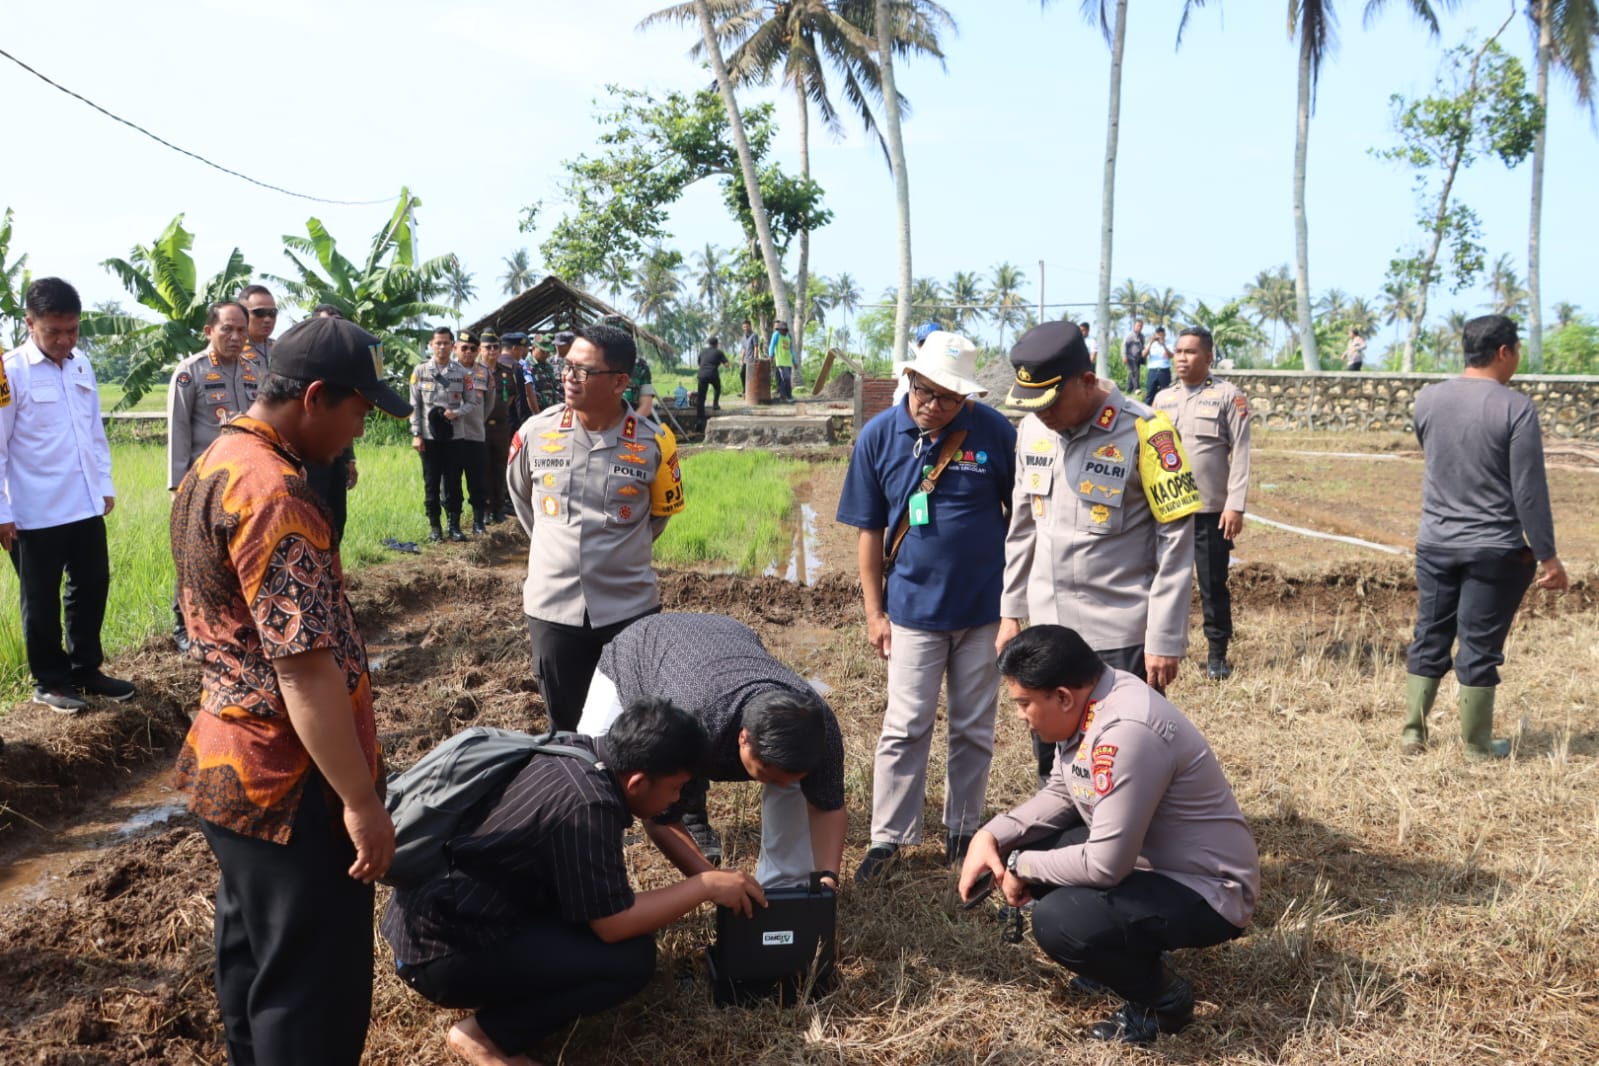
(543, 377)
(513, 355)
(470, 429)
(1135, 845)
(438, 396)
(207, 389)
(1086, 547)
(593, 485)
(505, 400)
(1212, 417)
(258, 303)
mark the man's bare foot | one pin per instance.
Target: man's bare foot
(468, 1040)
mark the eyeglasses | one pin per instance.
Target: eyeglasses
(934, 398)
(468, 347)
(492, 347)
(580, 373)
(263, 312)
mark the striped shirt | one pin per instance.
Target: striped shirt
(712, 667)
(552, 843)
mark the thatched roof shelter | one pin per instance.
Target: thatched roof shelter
(553, 305)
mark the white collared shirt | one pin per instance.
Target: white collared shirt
(55, 464)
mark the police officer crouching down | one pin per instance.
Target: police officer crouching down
(1134, 847)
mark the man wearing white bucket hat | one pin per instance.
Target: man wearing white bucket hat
(928, 487)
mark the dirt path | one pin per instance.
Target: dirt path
(105, 953)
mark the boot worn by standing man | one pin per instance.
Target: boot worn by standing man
(1486, 524)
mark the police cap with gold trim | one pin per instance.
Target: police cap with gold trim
(1044, 358)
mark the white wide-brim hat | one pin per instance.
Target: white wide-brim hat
(950, 361)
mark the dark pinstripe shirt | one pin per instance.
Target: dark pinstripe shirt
(552, 842)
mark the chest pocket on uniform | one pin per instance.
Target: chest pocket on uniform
(1037, 480)
(627, 486)
(1208, 425)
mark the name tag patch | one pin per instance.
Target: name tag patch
(623, 470)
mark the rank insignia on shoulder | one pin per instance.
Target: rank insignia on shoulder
(1106, 417)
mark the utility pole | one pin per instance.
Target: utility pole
(1040, 290)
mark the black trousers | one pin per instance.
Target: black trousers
(495, 459)
(441, 469)
(474, 457)
(331, 482)
(1134, 380)
(293, 942)
(564, 658)
(1158, 378)
(1473, 594)
(699, 393)
(1115, 935)
(1212, 552)
(1129, 659)
(41, 556)
(537, 979)
(785, 383)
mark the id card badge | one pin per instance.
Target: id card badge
(919, 514)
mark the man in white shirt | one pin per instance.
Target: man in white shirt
(55, 491)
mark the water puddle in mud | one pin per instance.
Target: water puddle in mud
(40, 869)
(804, 565)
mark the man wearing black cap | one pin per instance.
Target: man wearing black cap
(282, 761)
(1100, 537)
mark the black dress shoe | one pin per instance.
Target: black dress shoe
(1137, 1023)
(956, 845)
(1218, 670)
(878, 858)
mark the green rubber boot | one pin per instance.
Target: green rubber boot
(1477, 724)
(1420, 692)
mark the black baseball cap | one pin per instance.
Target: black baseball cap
(566, 336)
(338, 352)
(514, 337)
(490, 337)
(1044, 358)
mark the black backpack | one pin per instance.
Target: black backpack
(432, 800)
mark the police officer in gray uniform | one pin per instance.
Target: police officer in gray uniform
(209, 388)
(593, 484)
(471, 429)
(438, 400)
(1135, 845)
(1085, 548)
(1213, 418)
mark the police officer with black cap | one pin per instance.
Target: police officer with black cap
(1100, 537)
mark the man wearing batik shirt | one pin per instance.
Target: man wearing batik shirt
(282, 761)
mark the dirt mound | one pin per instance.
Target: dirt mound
(833, 601)
(839, 387)
(1377, 586)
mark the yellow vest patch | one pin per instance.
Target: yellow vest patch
(1163, 464)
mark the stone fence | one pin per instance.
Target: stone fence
(1568, 406)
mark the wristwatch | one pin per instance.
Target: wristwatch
(1012, 863)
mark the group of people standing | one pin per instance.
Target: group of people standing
(1083, 524)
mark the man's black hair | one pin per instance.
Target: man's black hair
(614, 343)
(326, 309)
(252, 290)
(1484, 336)
(655, 737)
(787, 729)
(1206, 341)
(444, 331)
(1160, 329)
(52, 296)
(1084, 326)
(713, 342)
(1050, 657)
(213, 314)
(276, 389)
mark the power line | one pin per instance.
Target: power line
(184, 151)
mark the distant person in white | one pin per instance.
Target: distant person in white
(55, 491)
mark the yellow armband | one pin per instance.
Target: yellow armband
(1163, 465)
(666, 491)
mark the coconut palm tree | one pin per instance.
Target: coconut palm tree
(846, 294)
(1565, 314)
(965, 293)
(1398, 303)
(1361, 316)
(1167, 306)
(746, 160)
(709, 277)
(1004, 293)
(802, 41)
(1272, 297)
(1133, 299)
(1333, 305)
(1509, 297)
(458, 286)
(657, 285)
(1313, 23)
(896, 163)
(1565, 31)
(1452, 338)
(519, 274)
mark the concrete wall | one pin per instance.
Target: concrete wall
(1288, 399)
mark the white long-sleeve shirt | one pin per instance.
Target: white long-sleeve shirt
(55, 464)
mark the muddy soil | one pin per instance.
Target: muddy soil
(105, 921)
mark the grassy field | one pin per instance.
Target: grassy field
(737, 507)
(154, 400)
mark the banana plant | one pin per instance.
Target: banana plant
(14, 279)
(390, 294)
(162, 277)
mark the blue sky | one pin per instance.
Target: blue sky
(474, 105)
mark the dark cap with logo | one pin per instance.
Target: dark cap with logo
(514, 337)
(338, 352)
(1044, 358)
(566, 336)
(490, 337)
(466, 336)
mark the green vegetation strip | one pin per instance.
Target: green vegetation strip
(738, 508)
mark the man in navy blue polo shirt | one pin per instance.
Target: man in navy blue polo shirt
(928, 487)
